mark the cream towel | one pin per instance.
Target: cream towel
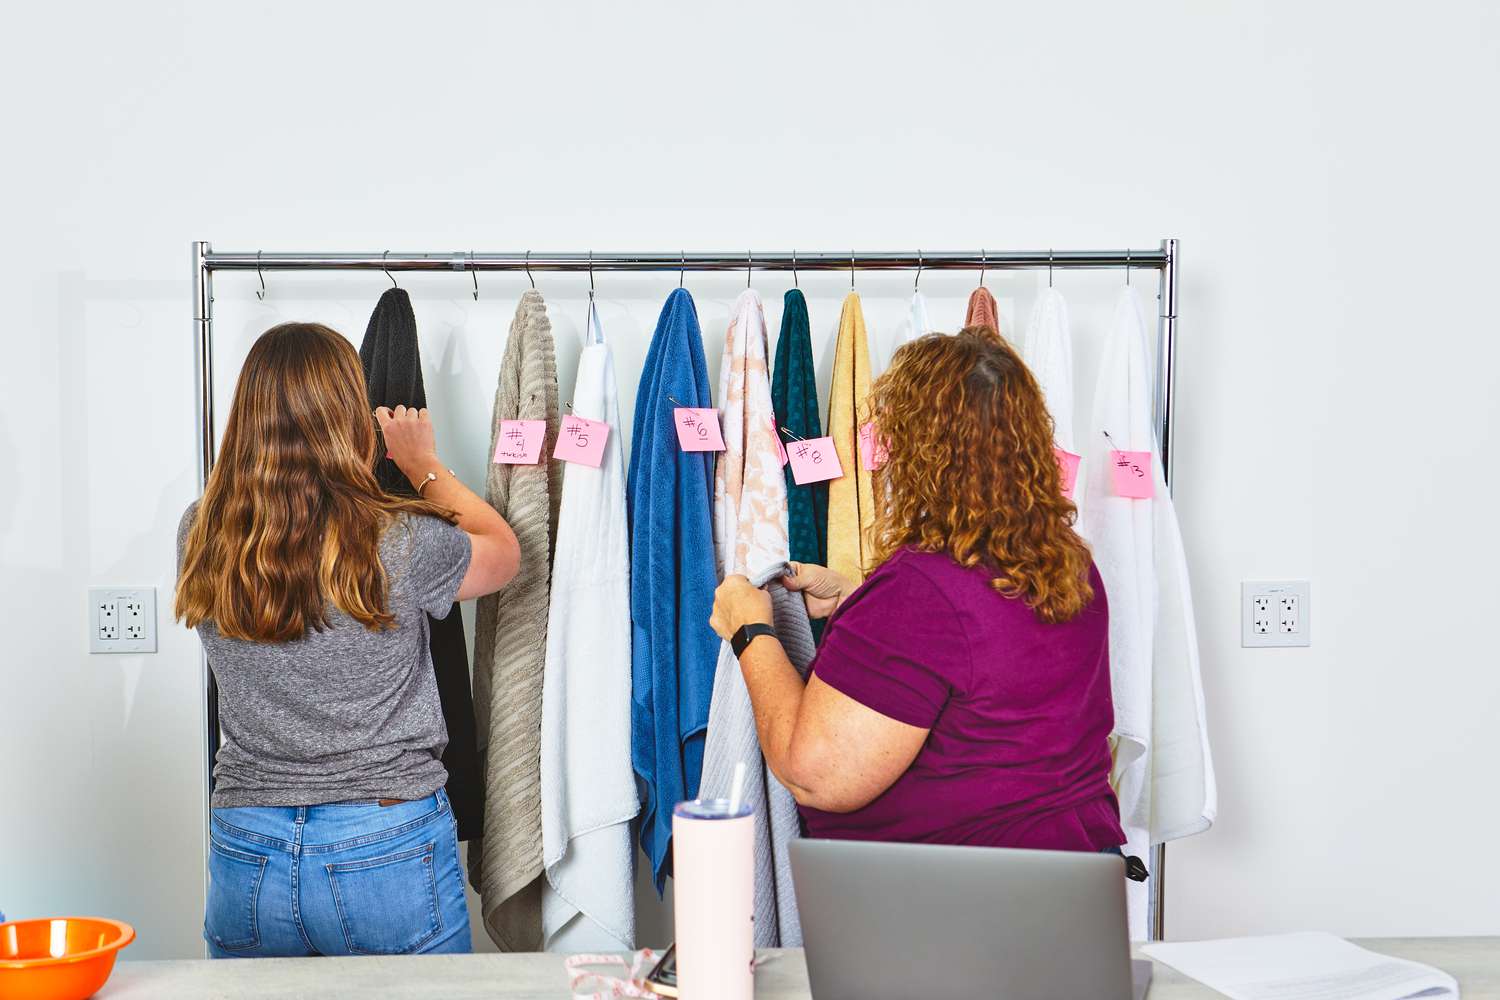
(1048, 352)
(510, 641)
(851, 498)
(587, 784)
(750, 534)
(1163, 771)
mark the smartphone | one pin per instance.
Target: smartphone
(663, 976)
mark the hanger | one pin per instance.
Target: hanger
(1127, 265)
(1049, 267)
(916, 284)
(474, 274)
(591, 279)
(682, 273)
(749, 261)
(386, 269)
(795, 282)
(528, 270)
(851, 270)
(984, 262)
(259, 274)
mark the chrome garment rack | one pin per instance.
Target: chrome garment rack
(1163, 260)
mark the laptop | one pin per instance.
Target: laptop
(901, 921)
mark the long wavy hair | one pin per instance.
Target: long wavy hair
(971, 471)
(292, 517)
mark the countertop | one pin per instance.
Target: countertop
(1475, 962)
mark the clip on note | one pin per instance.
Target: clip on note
(697, 427)
(581, 440)
(519, 442)
(814, 460)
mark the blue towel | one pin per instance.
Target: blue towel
(669, 493)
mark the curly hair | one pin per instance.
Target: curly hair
(970, 470)
(292, 516)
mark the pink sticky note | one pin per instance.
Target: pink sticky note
(814, 460)
(1067, 465)
(698, 428)
(581, 440)
(520, 442)
(1132, 474)
(872, 450)
(780, 449)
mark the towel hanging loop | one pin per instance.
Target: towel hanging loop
(916, 284)
(261, 275)
(474, 274)
(386, 269)
(528, 270)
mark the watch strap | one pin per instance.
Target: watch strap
(748, 634)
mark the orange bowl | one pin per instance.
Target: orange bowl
(66, 958)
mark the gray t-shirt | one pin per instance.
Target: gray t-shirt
(345, 713)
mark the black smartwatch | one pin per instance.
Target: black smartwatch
(747, 634)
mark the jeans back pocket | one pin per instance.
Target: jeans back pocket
(233, 891)
(387, 905)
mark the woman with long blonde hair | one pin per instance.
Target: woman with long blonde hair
(310, 588)
(961, 694)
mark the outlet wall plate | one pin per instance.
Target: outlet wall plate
(1276, 613)
(122, 619)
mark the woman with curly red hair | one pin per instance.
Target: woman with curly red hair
(961, 694)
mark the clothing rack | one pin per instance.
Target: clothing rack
(1163, 260)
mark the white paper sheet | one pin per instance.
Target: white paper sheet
(1309, 966)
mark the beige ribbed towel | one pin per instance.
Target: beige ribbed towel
(510, 646)
(851, 498)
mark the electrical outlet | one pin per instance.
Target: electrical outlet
(122, 620)
(1276, 613)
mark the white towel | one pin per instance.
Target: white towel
(588, 788)
(918, 325)
(750, 534)
(1162, 769)
(1048, 352)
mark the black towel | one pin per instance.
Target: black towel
(393, 376)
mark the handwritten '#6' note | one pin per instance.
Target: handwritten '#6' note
(698, 428)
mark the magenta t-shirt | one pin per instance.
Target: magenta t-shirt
(1019, 710)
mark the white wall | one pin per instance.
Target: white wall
(1334, 396)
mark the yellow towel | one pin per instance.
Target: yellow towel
(851, 498)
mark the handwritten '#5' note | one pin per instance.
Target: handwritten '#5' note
(581, 440)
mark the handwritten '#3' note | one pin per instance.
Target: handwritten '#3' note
(1131, 472)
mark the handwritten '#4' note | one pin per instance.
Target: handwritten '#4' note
(581, 440)
(520, 442)
(698, 428)
(814, 461)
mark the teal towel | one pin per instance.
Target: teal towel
(794, 397)
(669, 493)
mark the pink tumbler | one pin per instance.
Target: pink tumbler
(713, 864)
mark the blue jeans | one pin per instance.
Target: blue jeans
(352, 878)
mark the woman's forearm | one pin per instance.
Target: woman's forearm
(776, 691)
(474, 515)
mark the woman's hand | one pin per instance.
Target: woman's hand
(822, 588)
(409, 440)
(737, 604)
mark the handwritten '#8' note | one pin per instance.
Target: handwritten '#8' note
(698, 428)
(581, 440)
(814, 461)
(1131, 472)
(520, 442)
